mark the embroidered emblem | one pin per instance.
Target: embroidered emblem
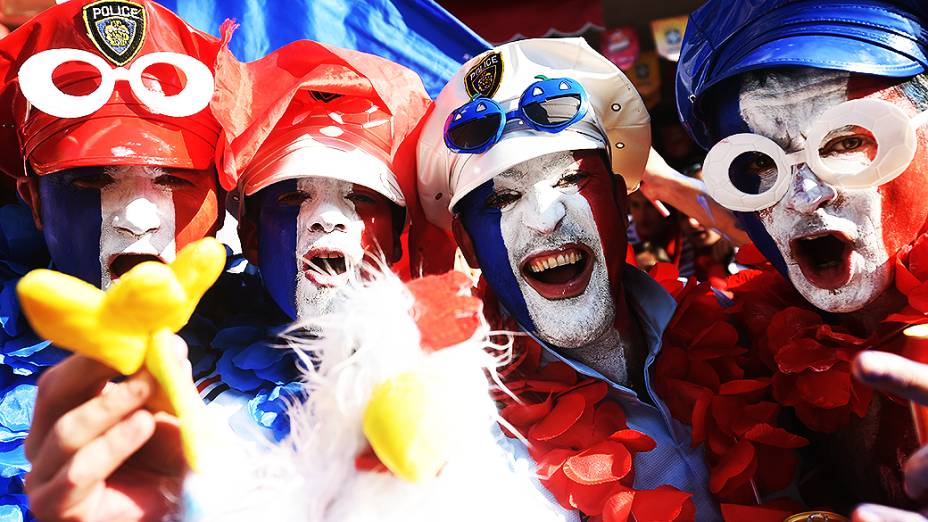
(485, 77)
(117, 28)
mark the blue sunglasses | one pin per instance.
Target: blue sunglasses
(548, 105)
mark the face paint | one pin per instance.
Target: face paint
(835, 243)
(313, 235)
(100, 222)
(553, 222)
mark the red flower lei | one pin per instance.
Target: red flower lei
(580, 442)
(731, 395)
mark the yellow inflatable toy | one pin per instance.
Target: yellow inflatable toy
(130, 325)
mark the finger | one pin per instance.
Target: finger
(65, 495)
(894, 374)
(874, 513)
(61, 388)
(80, 426)
(916, 474)
(163, 453)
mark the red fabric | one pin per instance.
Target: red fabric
(445, 312)
(142, 138)
(501, 22)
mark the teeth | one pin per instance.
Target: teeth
(554, 261)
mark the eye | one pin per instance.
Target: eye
(171, 181)
(572, 179)
(360, 197)
(753, 172)
(849, 140)
(502, 198)
(294, 198)
(93, 181)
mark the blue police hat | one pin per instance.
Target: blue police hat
(725, 38)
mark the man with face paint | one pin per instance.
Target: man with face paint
(813, 114)
(528, 156)
(325, 169)
(111, 141)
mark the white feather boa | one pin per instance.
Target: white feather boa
(312, 475)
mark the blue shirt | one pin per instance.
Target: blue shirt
(674, 461)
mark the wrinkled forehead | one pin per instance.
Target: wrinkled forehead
(538, 169)
(781, 105)
(324, 185)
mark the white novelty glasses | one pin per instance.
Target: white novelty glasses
(748, 172)
(35, 81)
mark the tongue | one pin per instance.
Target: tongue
(559, 275)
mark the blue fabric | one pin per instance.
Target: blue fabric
(23, 355)
(879, 37)
(416, 33)
(673, 461)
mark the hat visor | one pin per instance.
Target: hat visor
(320, 161)
(110, 141)
(827, 51)
(515, 148)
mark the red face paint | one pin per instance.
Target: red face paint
(600, 190)
(377, 213)
(196, 205)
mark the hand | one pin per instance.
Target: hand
(96, 453)
(688, 195)
(909, 380)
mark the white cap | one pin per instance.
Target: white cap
(617, 122)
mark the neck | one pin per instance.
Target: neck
(867, 320)
(619, 353)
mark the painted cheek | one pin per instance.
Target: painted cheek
(483, 225)
(904, 212)
(196, 211)
(598, 192)
(72, 220)
(277, 247)
(377, 235)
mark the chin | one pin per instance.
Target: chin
(867, 282)
(315, 302)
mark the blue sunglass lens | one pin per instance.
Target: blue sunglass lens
(554, 111)
(474, 133)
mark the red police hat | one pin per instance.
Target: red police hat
(107, 82)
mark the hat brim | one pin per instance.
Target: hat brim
(516, 148)
(109, 141)
(355, 166)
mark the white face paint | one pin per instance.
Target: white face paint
(551, 217)
(328, 244)
(138, 220)
(783, 107)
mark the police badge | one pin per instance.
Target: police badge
(485, 77)
(117, 28)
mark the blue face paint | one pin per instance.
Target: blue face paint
(482, 223)
(277, 245)
(727, 122)
(71, 223)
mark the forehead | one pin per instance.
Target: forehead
(537, 169)
(319, 183)
(783, 105)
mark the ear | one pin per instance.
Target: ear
(464, 242)
(248, 235)
(28, 188)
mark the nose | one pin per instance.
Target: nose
(809, 193)
(327, 218)
(138, 218)
(546, 209)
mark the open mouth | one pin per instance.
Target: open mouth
(122, 263)
(824, 258)
(325, 267)
(559, 274)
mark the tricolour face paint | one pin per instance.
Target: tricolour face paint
(100, 222)
(835, 243)
(313, 235)
(548, 236)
